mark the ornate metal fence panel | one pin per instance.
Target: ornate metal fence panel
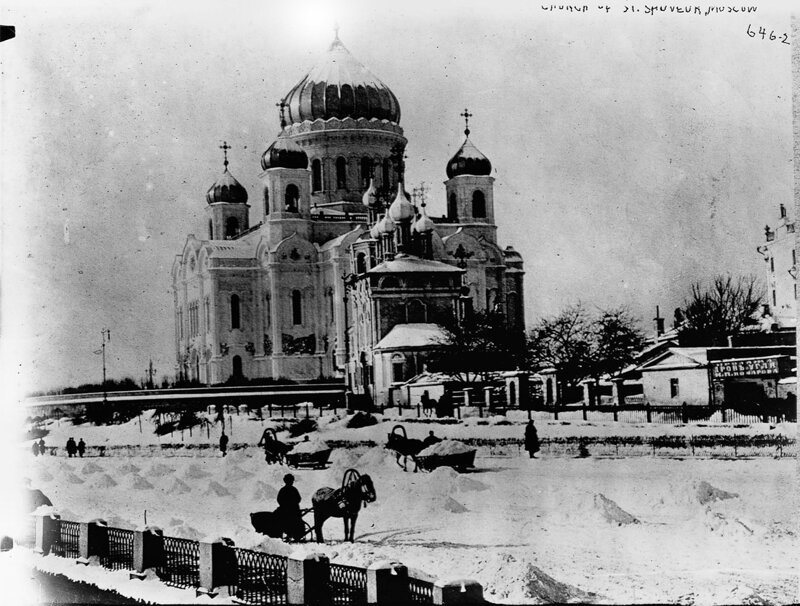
(260, 577)
(67, 541)
(348, 584)
(181, 563)
(120, 550)
(421, 592)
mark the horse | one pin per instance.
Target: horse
(344, 502)
(404, 446)
(274, 450)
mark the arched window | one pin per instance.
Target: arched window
(361, 263)
(452, 207)
(231, 227)
(398, 373)
(210, 229)
(266, 200)
(478, 204)
(297, 307)
(234, 311)
(291, 198)
(416, 312)
(341, 173)
(316, 175)
(366, 171)
(237, 367)
(385, 174)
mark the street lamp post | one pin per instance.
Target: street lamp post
(106, 334)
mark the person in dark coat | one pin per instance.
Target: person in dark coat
(41, 446)
(531, 440)
(289, 508)
(223, 444)
(81, 447)
(35, 449)
(71, 447)
(431, 439)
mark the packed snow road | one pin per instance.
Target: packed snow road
(567, 529)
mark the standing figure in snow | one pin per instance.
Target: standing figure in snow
(35, 448)
(289, 509)
(431, 439)
(41, 446)
(223, 444)
(531, 440)
(71, 447)
(81, 447)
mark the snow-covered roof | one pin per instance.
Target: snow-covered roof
(403, 263)
(678, 357)
(411, 336)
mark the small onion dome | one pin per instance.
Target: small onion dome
(370, 197)
(401, 209)
(373, 232)
(424, 224)
(385, 226)
(227, 189)
(284, 153)
(468, 161)
(340, 87)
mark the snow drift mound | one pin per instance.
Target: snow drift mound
(543, 587)
(706, 493)
(237, 473)
(159, 469)
(91, 467)
(217, 490)
(454, 506)
(310, 446)
(264, 492)
(45, 476)
(73, 479)
(612, 512)
(195, 472)
(129, 468)
(180, 487)
(105, 481)
(137, 482)
(446, 447)
(467, 484)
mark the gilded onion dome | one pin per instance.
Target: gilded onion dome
(227, 189)
(468, 160)
(339, 86)
(385, 226)
(284, 153)
(401, 209)
(370, 197)
(424, 224)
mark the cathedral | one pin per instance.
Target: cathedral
(342, 274)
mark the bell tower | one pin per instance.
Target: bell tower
(227, 210)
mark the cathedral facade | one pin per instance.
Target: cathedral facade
(342, 275)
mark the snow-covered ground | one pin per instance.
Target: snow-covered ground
(639, 529)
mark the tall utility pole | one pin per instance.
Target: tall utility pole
(106, 333)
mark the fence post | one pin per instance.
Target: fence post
(48, 527)
(463, 591)
(148, 550)
(92, 540)
(684, 414)
(616, 412)
(217, 565)
(467, 396)
(648, 412)
(722, 411)
(387, 583)
(583, 410)
(307, 579)
(487, 398)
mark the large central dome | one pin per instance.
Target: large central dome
(340, 87)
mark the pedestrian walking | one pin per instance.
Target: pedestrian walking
(72, 448)
(41, 446)
(289, 509)
(531, 440)
(223, 444)
(81, 448)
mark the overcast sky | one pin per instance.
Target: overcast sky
(633, 153)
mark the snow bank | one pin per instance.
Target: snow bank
(264, 492)
(446, 447)
(137, 482)
(544, 588)
(104, 481)
(73, 479)
(706, 493)
(195, 472)
(180, 487)
(91, 467)
(129, 468)
(237, 473)
(453, 506)
(215, 489)
(612, 512)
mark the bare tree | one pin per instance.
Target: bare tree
(712, 314)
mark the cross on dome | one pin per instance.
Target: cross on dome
(225, 147)
(282, 105)
(466, 115)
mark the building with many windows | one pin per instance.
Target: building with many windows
(343, 274)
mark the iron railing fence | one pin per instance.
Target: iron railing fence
(66, 543)
(260, 577)
(420, 592)
(348, 585)
(120, 550)
(181, 566)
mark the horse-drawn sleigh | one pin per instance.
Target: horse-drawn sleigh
(344, 502)
(406, 448)
(274, 450)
